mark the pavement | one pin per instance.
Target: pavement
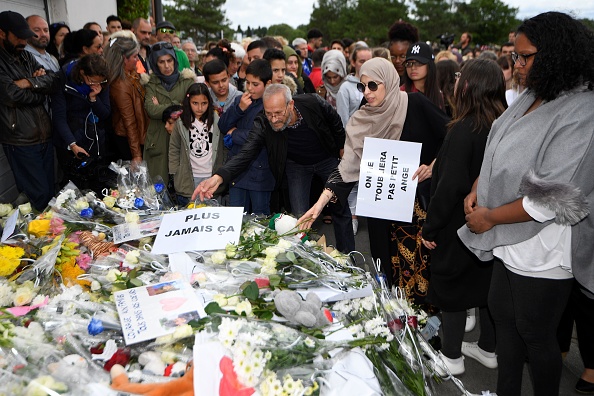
(477, 378)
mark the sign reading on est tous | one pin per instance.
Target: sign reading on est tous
(386, 189)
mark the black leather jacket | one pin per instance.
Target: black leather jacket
(318, 115)
(23, 118)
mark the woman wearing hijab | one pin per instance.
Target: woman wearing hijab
(334, 71)
(388, 114)
(165, 87)
(295, 69)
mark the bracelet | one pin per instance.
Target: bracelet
(92, 101)
(332, 196)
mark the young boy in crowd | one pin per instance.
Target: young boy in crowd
(253, 188)
(278, 63)
(217, 78)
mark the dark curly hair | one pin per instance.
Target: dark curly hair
(565, 52)
(403, 31)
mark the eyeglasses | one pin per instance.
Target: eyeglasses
(166, 30)
(162, 45)
(411, 64)
(372, 85)
(278, 115)
(457, 75)
(91, 82)
(522, 59)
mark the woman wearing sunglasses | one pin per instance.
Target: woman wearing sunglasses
(459, 280)
(530, 206)
(166, 86)
(388, 114)
(79, 112)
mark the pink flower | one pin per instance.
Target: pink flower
(262, 282)
(84, 261)
(57, 225)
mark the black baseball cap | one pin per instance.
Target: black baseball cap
(165, 24)
(14, 22)
(421, 52)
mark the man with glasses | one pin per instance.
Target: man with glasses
(303, 136)
(166, 32)
(25, 126)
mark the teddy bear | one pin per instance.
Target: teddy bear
(308, 312)
(183, 386)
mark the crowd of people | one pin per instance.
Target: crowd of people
(501, 217)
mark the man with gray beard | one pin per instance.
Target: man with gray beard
(303, 136)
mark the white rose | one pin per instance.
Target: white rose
(168, 357)
(5, 209)
(81, 204)
(132, 256)
(95, 286)
(23, 296)
(283, 244)
(112, 275)
(233, 301)
(132, 217)
(272, 251)
(218, 257)
(25, 209)
(244, 306)
(220, 299)
(183, 331)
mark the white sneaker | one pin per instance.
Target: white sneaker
(472, 350)
(355, 226)
(470, 320)
(455, 366)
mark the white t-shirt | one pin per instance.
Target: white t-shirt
(545, 255)
(200, 149)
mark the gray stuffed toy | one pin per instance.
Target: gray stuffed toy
(308, 312)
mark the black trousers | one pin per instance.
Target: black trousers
(452, 327)
(527, 312)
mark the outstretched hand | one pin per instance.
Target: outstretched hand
(423, 173)
(207, 187)
(312, 214)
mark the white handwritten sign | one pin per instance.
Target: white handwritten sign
(153, 311)
(386, 188)
(208, 228)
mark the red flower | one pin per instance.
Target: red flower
(262, 282)
(98, 349)
(122, 357)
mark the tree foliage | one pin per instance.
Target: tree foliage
(489, 21)
(286, 31)
(202, 20)
(129, 10)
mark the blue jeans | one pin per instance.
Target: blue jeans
(33, 170)
(299, 177)
(259, 201)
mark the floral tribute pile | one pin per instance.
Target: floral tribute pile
(269, 314)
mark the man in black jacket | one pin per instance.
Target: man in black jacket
(303, 136)
(25, 126)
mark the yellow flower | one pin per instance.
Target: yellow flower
(23, 296)
(25, 208)
(10, 258)
(70, 272)
(39, 228)
(109, 201)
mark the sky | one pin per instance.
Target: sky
(297, 12)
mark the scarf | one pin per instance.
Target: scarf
(334, 61)
(167, 81)
(384, 121)
(291, 52)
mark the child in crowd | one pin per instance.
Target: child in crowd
(217, 78)
(196, 145)
(253, 188)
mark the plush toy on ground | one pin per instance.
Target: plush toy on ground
(285, 224)
(183, 386)
(308, 312)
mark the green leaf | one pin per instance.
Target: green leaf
(275, 280)
(214, 308)
(135, 282)
(251, 292)
(291, 256)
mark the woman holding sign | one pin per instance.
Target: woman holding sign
(459, 280)
(389, 114)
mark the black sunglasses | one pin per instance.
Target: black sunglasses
(372, 85)
(162, 45)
